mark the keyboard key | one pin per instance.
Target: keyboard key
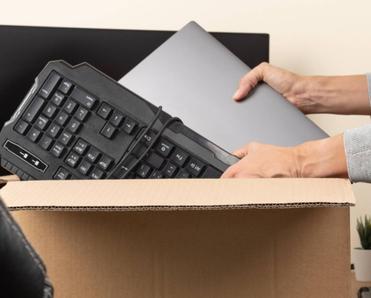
(49, 85)
(33, 109)
(105, 162)
(104, 110)
(65, 138)
(116, 118)
(42, 122)
(62, 118)
(83, 98)
(53, 130)
(70, 106)
(81, 146)
(129, 125)
(195, 167)
(62, 174)
(82, 114)
(46, 142)
(84, 167)
(72, 159)
(148, 137)
(50, 110)
(108, 131)
(164, 148)
(21, 127)
(74, 125)
(65, 86)
(210, 172)
(143, 171)
(179, 157)
(155, 160)
(34, 134)
(97, 174)
(170, 170)
(156, 175)
(57, 150)
(58, 99)
(183, 174)
(93, 154)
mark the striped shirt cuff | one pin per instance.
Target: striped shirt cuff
(357, 143)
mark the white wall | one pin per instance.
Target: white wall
(307, 36)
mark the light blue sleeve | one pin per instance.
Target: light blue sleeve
(357, 143)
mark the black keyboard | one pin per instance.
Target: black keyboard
(77, 123)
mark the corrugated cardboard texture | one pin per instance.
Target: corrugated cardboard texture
(177, 194)
(226, 253)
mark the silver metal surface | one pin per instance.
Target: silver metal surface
(193, 76)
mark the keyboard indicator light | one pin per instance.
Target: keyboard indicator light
(26, 156)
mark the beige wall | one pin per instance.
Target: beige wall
(308, 36)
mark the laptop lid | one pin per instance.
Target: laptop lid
(193, 76)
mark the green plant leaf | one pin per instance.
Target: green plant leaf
(364, 231)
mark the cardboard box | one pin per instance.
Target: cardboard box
(268, 238)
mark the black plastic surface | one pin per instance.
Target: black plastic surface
(22, 273)
(24, 155)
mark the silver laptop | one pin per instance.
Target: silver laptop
(193, 76)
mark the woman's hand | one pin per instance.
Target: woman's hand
(311, 94)
(264, 161)
(322, 158)
(292, 86)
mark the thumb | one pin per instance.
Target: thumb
(249, 81)
(230, 172)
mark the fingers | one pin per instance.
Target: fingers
(242, 152)
(230, 172)
(234, 169)
(237, 170)
(250, 80)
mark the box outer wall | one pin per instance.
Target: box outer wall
(298, 252)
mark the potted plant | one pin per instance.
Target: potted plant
(362, 255)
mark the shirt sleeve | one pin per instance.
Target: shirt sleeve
(357, 143)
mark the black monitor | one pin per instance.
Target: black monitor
(24, 51)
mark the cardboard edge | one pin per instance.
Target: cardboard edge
(11, 194)
(182, 207)
(5, 179)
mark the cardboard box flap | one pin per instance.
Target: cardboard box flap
(177, 194)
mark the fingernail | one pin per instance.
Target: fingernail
(237, 94)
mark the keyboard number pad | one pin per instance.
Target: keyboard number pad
(88, 160)
(56, 115)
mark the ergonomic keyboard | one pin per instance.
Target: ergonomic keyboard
(77, 123)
